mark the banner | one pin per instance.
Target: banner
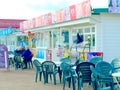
(72, 12)
(22, 27)
(34, 22)
(62, 15)
(49, 18)
(57, 16)
(67, 14)
(3, 56)
(53, 19)
(45, 19)
(114, 6)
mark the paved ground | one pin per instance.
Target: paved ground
(24, 80)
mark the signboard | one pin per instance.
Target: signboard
(3, 56)
(6, 31)
(114, 6)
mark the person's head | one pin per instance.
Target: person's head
(26, 47)
(20, 48)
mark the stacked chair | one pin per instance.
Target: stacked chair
(102, 76)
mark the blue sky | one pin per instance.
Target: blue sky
(27, 9)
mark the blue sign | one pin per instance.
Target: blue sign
(6, 31)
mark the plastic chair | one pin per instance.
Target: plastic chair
(84, 73)
(102, 76)
(96, 59)
(49, 68)
(116, 64)
(18, 62)
(11, 58)
(30, 61)
(38, 67)
(68, 74)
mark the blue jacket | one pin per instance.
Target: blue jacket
(27, 55)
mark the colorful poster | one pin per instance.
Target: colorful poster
(114, 6)
(72, 12)
(67, 14)
(49, 18)
(3, 56)
(49, 55)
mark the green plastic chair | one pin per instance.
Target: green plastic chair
(68, 74)
(116, 64)
(49, 68)
(84, 74)
(102, 76)
(38, 67)
(96, 59)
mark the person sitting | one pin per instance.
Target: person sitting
(17, 56)
(19, 51)
(27, 55)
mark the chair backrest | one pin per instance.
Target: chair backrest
(116, 64)
(37, 65)
(66, 69)
(10, 52)
(83, 70)
(104, 68)
(67, 60)
(49, 66)
(96, 59)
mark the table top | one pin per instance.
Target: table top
(116, 74)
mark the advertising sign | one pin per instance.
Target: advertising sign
(114, 6)
(3, 56)
(6, 31)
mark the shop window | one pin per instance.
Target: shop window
(93, 29)
(87, 30)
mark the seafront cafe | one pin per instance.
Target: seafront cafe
(52, 36)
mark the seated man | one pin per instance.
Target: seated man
(27, 55)
(17, 54)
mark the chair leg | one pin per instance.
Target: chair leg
(64, 81)
(54, 76)
(36, 77)
(31, 64)
(69, 82)
(40, 76)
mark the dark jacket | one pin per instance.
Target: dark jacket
(27, 54)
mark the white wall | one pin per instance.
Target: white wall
(110, 36)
